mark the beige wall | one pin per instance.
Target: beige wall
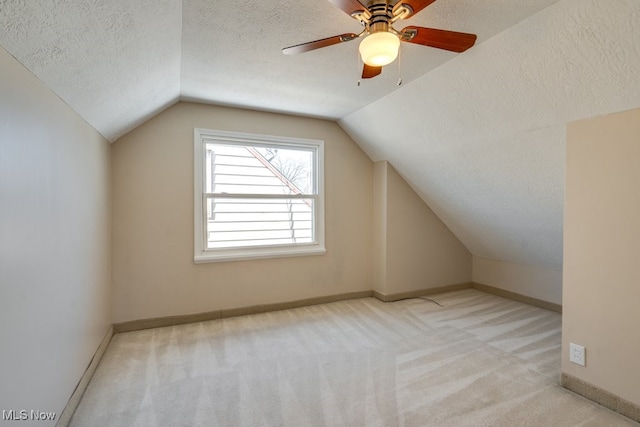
(380, 227)
(417, 249)
(55, 302)
(153, 270)
(602, 252)
(532, 281)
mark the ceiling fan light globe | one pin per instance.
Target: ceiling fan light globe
(379, 49)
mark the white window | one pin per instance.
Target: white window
(257, 196)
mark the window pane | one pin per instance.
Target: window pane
(240, 169)
(234, 222)
(257, 196)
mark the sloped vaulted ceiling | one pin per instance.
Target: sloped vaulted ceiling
(479, 135)
(482, 137)
(118, 62)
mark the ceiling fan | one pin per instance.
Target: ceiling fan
(381, 41)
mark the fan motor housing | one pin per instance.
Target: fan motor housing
(381, 16)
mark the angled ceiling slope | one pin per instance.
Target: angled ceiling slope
(479, 135)
(117, 63)
(482, 138)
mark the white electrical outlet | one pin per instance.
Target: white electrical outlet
(577, 354)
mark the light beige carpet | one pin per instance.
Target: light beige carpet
(480, 360)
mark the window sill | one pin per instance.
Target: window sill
(257, 253)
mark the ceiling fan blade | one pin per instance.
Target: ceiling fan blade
(416, 5)
(317, 44)
(369, 72)
(441, 39)
(349, 6)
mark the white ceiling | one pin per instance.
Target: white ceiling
(119, 62)
(485, 141)
(480, 135)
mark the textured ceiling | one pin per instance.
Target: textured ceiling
(482, 138)
(116, 62)
(479, 135)
(119, 62)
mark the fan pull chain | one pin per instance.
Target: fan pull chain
(400, 65)
(358, 67)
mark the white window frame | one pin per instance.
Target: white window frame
(203, 255)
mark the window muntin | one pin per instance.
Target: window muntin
(262, 196)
